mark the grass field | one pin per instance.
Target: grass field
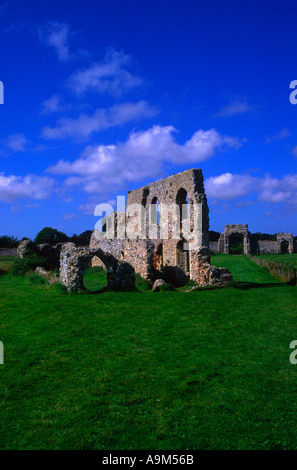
(6, 263)
(289, 260)
(143, 370)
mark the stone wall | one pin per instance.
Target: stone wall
(75, 260)
(284, 242)
(174, 254)
(8, 252)
(264, 246)
(231, 230)
(50, 253)
(214, 247)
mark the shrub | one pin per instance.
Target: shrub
(24, 265)
(141, 284)
(166, 288)
(37, 280)
(191, 283)
(60, 289)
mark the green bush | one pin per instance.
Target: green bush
(37, 280)
(141, 284)
(60, 289)
(166, 288)
(24, 265)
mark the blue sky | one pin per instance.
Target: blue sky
(104, 97)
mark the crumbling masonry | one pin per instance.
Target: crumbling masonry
(284, 242)
(143, 245)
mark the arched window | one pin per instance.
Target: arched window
(145, 194)
(182, 200)
(155, 211)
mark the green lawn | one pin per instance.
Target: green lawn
(243, 269)
(286, 260)
(142, 370)
(6, 263)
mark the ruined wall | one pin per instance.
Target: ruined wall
(115, 247)
(284, 241)
(214, 247)
(8, 252)
(166, 192)
(75, 260)
(160, 250)
(264, 246)
(286, 238)
(241, 229)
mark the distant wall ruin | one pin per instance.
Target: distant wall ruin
(283, 244)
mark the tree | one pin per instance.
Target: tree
(214, 236)
(83, 239)
(8, 241)
(51, 236)
(262, 236)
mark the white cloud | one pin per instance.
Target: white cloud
(108, 76)
(69, 216)
(88, 208)
(52, 105)
(85, 125)
(143, 155)
(294, 151)
(17, 142)
(56, 35)
(229, 186)
(281, 135)
(268, 189)
(28, 187)
(233, 108)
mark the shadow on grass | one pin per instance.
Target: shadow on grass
(245, 285)
(103, 290)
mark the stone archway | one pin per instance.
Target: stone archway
(236, 242)
(284, 247)
(224, 240)
(75, 260)
(285, 243)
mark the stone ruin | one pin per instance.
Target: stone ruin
(75, 260)
(138, 246)
(50, 253)
(284, 242)
(224, 240)
(153, 256)
(172, 259)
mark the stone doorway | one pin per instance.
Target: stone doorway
(284, 247)
(236, 244)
